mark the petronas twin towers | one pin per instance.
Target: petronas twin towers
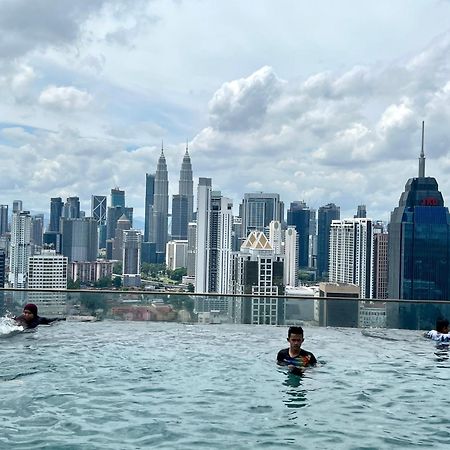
(157, 207)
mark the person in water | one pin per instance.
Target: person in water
(294, 357)
(30, 318)
(441, 333)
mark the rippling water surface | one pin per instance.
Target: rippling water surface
(131, 385)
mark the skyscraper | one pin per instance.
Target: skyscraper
(299, 216)
(71, 208)
(351, 254)
(123, 224)
(149, 201)
(186, 184)
(98, 212)
(419, 253)
(79, 239)
(325, 216)
(37, 231)
(158, 233)
(258, 210)
(2, 268)
(131, 262)
(56, 209)
(290, 257)
(17, 206)
(117, 197)
(180, 215)
(3, 219)
(20, 249)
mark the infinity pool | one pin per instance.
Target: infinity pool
(135, 385)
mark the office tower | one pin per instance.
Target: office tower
(3, 219)
(326, 214)
(299, 215)
(52, 240)
(158, 232)
(419, 253)
(361, 212)
(290, 257)
(192, 249)
(47, 271)
(71, 209)
(2, 268)
(123, 224)
(113, 215)
(179, 217)
(117, 197)
(37, 230)
(338, 313)
(176, 254)
(275, 238)
(380, 263)
(131, 262)
(79, 239)
(17, 206)
(258, 270)
(237, 233)
(98, 212)
(351, 254)
(20, 249)
(149, 201)
(186, 184)
(312, 243)
(258, 210)
(56, 210)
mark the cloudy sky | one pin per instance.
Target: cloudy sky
(319, 101)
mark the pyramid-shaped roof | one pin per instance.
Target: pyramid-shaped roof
(256, 240)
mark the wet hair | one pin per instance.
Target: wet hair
(441, 324)
(295, 330)
(32, 308)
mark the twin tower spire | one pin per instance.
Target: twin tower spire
(157, 204)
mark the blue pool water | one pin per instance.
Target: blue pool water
(135, 385)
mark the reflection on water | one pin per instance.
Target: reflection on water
(295, 395)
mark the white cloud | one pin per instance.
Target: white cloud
(65, 98)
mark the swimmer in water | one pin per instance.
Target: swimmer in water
(30, 318)
(441, 334)
(294, 357)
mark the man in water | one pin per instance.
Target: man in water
(441, 331)
(295, 357)
(30, 318)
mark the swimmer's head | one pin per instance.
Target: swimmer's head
(30, 311)
(442, 326)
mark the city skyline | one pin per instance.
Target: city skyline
(304, 109)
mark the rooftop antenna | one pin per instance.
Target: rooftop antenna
(422, 155)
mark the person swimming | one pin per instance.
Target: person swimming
(30, 318)
(441, 334)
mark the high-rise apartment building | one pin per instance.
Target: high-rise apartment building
(47, 270)
(2, 268)
(351, 254)
(290, 257)
(176, 254)
(214, 240)
(3, 219)
(123, 224)
(299, 215)
(419, 253)
(56, 211)
(275, 237)
(191, 249)
(258, 270)
(326, 214)
(37, 231)
(257, 210)
(159, 228)
(380, 263)
(20, 249)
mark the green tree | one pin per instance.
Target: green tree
(103, 282)
(117, 282)
(190, 287)
(73, 284)
(177, 274)
(117, 270)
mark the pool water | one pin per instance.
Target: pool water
(136, 385)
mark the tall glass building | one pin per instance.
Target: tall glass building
(419, 254)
